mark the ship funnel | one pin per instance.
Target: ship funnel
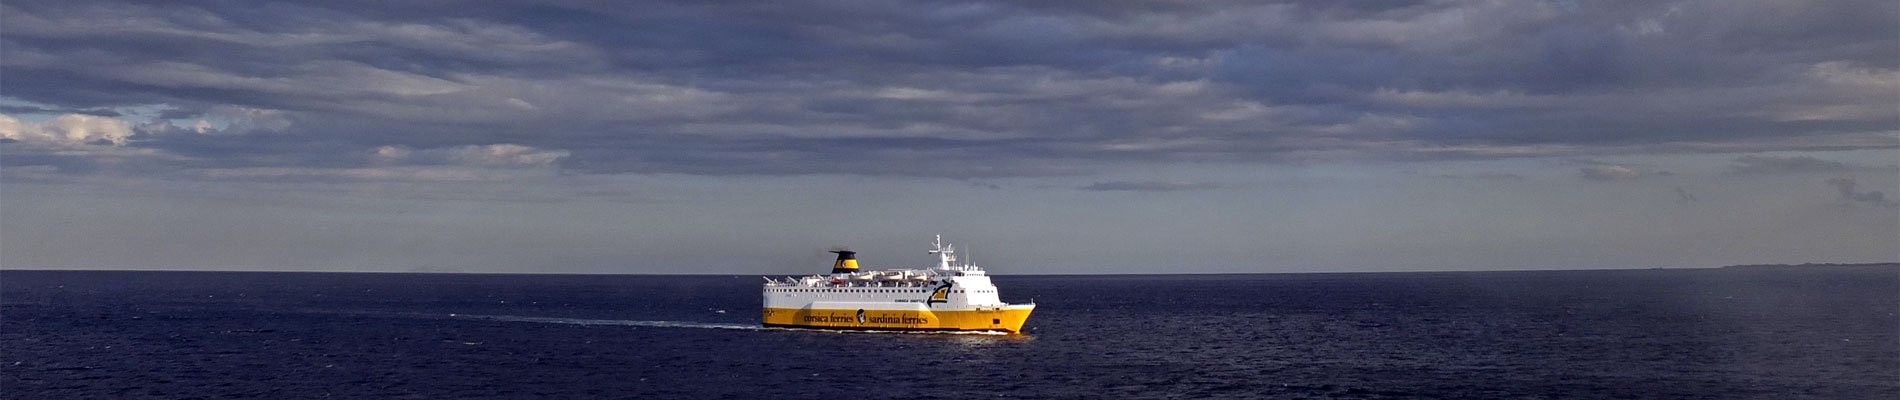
(847, 262)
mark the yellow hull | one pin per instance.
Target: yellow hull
(1003, 319)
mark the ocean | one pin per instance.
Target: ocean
(1769, 333)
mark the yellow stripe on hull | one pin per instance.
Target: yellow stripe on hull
(1004, 319)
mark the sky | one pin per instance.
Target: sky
(1043, 137)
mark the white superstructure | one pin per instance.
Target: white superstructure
(951, 295)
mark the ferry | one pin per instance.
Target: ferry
(952, 296)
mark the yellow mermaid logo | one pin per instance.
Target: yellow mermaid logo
(942, 294)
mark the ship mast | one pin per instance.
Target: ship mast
(947, 258)
(945, 255)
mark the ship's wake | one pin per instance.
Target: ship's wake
(611, 322)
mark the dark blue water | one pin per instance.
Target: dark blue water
(1717, 334)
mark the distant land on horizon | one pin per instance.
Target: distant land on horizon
(1815, 265)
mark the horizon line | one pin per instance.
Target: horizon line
(1868, 264)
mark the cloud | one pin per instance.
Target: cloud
(1458, 99)
(1610, 173)
(231, 119)
(1578, 161)
(468, 163)
(67, 130)
(986, 89)
(1150, 186)
(494, 155)
(1494, 176)
(1849, 194)
(982, 184)
(1756, 164)
(17, 109)
(400, 174)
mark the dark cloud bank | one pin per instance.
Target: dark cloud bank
(402, 90)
